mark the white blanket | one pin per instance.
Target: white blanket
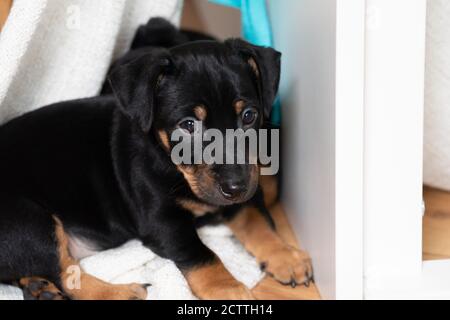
(134, 263)
(55, 50)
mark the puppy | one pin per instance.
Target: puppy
(87, 175)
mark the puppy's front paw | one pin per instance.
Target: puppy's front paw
(289, 266)
(36, 288)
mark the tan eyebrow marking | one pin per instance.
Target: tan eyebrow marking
(239, 106)
(164, 139)
(200, 112)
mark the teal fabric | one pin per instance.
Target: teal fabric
(255, 29)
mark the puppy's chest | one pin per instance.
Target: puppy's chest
(198, 209)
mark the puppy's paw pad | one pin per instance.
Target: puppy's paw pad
(40, 289)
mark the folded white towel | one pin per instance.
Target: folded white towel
(52, 51)
(132, 262)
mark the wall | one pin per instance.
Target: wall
(322, 95)
(308, 100)
(220, 21)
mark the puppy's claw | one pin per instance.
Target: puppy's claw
(293, 283)
(306, 283)
(263, 266)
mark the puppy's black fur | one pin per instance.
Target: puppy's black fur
(101, 164)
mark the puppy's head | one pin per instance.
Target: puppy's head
(220, 86)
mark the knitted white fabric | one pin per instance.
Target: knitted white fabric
(55, 50)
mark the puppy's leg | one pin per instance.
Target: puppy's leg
(213, 281)
(82, 286)
(285, 263)
(176, 238)
(33, 245)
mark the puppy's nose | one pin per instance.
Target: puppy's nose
(232, 189)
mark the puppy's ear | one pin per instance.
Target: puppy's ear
(135, 85)
(265, 63)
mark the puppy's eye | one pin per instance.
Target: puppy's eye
(187, 124)
(249, 116)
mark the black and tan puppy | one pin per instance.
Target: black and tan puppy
(87, 175)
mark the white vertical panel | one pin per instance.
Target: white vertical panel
(350, 65)
(395, 58)
(304, 30)
(322, 95)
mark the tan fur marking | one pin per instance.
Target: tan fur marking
(82, 286)
(214, 282)
(5, 8)
(283, 262)
(197, 208)
(269, 187)
(193, 176)
(200, 112)
(254, 66)
(239, 106)
(164, 139)
(189, 176)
